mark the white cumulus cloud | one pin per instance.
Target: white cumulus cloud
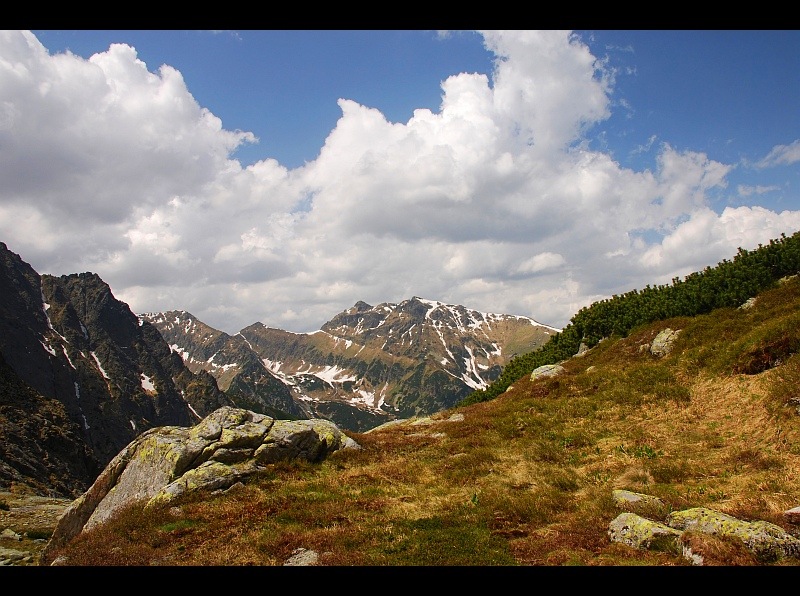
(493, 201)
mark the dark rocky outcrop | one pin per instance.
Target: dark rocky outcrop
(80, 377)
(163, 463)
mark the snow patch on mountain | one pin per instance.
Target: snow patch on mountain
(147, 383)
(100, 366)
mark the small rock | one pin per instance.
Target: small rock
(546, 370)
(639, 532)
(10, 534)
(10, 556)
(302, 557)
(792, 515)
(626, 499)
(749, 303)
(662, 344)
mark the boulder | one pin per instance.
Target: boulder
(767, 541)
(546, 370)
(763, 540)
(639, 532)
(166, 462)
(629, 500)
(662, 344)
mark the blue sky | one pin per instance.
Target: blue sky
(283, 85)
(281, 176)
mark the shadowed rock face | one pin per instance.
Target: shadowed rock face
(164, 463)
(81, 376)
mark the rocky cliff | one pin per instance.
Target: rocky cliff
(82, 376)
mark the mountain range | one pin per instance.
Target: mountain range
(366, 366)
(81, 375)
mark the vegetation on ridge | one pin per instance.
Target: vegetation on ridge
(730, 283)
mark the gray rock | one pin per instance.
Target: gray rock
(166, 462)
(546, 370)
(626, 499)
(639, 532)
(11, 556)
(302, 557)
(10, 534)
(765, 540)
(662, 344)
(749, 303)
(792, 515)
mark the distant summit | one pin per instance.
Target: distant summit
(230, 360)
(368, 364)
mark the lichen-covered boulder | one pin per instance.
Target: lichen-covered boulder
(686, 532)
(210, 475)
(631, 501)
(767, 541)
(166, 462)
(662, 344)
(546, 370)
(639, 532)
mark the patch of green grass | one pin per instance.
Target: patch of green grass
(468, 466)
(705, 338)
(669, 471)
(178, 526)
(755, 459)
(563, 479)
(533, 505)
(766, 346)
(443, 541)
(785, 389)
(642, 451)
(547, 451)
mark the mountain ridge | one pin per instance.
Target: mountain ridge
(368, 364)
(79, 361)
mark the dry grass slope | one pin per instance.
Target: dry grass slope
(525, 479)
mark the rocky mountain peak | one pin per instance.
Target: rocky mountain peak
(92, 373)
(360, 306)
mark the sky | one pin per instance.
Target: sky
(280, 176)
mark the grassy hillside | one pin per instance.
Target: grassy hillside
(729, 284)
(526, 478)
